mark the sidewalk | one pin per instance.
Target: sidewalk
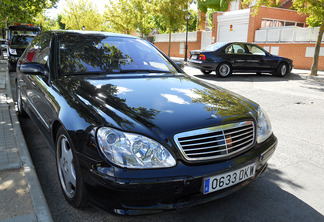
(21, 196)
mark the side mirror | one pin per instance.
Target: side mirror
(32, 68)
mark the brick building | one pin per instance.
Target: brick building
(281, 31)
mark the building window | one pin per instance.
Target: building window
(274, 23)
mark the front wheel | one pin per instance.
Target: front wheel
(69, 171)
(224, 70)
(21, 110)
(282, 70)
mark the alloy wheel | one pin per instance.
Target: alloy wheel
(65, 165)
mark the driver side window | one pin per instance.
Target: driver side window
(235, 49)
(255, 50)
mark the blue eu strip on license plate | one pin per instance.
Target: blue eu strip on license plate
(228, 179)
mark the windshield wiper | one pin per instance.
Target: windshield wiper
(144, 70)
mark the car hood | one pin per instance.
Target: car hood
(160, 104)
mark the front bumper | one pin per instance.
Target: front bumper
(150, 191)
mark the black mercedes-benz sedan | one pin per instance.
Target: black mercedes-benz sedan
(226, 58)
(132, 133)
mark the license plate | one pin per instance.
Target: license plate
(194, 57)
(222, 181)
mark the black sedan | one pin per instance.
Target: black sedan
(226, 58)
(132, 132)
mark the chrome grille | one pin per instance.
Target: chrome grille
(216, 142)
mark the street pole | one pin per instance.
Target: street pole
(186, 47)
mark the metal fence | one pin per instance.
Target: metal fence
(286, 34)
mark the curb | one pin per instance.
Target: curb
(39, 202)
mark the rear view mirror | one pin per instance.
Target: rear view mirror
(32, 68)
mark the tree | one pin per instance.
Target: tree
(143, 16)
(126, 16)
(315, 11)
(77, 14)
(59, 23)
(216, 5)
(44, 22)
(22, 10)
(172, 14)
(118, 16)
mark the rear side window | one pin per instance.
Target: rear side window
(235, 49)
(85, 54)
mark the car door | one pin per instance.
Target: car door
(36, 88)
(237, 56)
(259, 58)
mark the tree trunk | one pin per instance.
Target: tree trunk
(169, 42)
(317, 49)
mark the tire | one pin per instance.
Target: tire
(259, 73)
(69, 171)
(21, 111)
(205, 72)
(224, 70)
(282, 70)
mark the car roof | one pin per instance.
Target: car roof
(79, 32)
(23, 28)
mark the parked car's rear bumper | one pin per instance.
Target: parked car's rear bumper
(154, 191)
(202, 65)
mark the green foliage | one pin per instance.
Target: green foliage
(130, 15)
(119, 16)
(22, 11)
(44, 22)
(193, 21)
(77, 14)
(172, 12)
(216, 5)
(314, 8)
(59, 23)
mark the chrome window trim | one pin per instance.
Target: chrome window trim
(215, 129)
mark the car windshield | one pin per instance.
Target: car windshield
(22, 40)
(214, 46)
(87, 54)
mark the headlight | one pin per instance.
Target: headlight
(132, 150)
(12, 51)
(264, 126)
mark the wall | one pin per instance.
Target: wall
(296, 52)
(271, 13)
(175, 46)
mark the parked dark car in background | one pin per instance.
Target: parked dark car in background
(132, 133)
(16, 47)
(3, 45)
(226, 58)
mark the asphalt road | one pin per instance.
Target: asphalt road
(290, 190)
